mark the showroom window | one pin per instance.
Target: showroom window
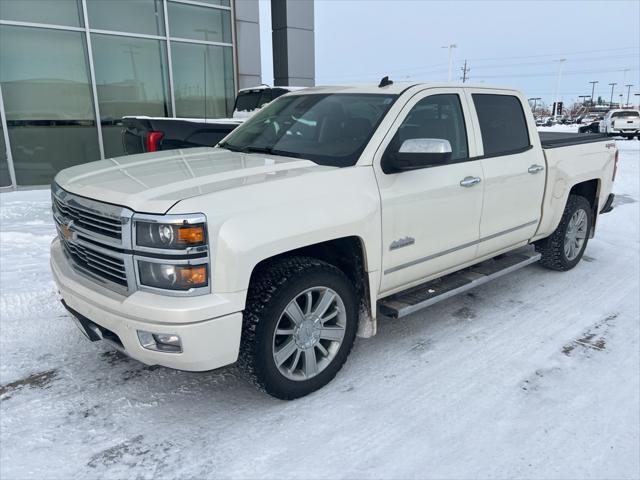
(199, 23)
(203, 80)
(131, 79)
(63, 67)
(5, 178)
(60, 12)
(139, 16)
(44, 76)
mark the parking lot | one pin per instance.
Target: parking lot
(535, 374)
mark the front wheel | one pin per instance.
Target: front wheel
(299, 326)
(564, 248)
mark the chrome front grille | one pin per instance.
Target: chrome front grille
(97, 262)
(91, 221)
(95, 237)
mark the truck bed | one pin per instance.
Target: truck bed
(564, 139)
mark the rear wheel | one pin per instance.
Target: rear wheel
(564, 248)
(299, 326)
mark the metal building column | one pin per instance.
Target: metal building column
(247, 43)
(292, 22)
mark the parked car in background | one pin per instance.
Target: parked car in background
(621, 122)
(590, 123)
(150, 134)
(326, 207)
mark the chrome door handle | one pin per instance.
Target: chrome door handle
(535, 168)
(469, 181)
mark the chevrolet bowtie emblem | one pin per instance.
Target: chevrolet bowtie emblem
(66, 232)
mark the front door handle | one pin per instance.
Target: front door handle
(535, 168)
(469, 181)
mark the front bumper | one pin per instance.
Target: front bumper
(208, 341)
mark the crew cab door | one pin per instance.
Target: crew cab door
(430, 216)
(514, 169)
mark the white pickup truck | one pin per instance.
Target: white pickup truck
(329, 206)
(621, 122)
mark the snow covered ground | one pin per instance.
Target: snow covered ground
(536, 375)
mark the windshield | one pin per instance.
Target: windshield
(630, 113)
(329, 129)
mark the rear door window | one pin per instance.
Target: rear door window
(502, 124)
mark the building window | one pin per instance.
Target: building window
(199, 23)
(60, 12)
(202, 80)
(5, 179)
(131, 79)
(135, 16)
(149, 58)
(47, 100)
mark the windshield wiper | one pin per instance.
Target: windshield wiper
(232, 148)
(254, 149)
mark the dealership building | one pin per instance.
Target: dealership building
(71, 69)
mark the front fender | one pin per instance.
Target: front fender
(256, 222)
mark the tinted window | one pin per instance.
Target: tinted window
(199, 23)
(139, 16)
(251, 99)
(47, 101)
(202, 79)
(132, 79)
(630, 113)
(502, 123)
(437, 116)
(59, 12)
(329, 129)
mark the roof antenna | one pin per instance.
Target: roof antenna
(385, 82)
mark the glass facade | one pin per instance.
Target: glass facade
(68, 76)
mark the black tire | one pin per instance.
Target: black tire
(270, 292)
(629, 137)
(552, 247)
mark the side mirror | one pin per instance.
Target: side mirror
(416, 153)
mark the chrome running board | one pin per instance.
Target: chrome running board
(410, 301)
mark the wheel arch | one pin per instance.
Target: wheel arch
(349, 254)
(589, 189)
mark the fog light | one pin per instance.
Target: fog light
(160, 342)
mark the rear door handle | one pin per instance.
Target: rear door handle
(469, 181)
(535, 168)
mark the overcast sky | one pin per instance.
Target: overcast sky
(507, 43)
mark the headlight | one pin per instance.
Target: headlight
(170, 236)
(172, 277)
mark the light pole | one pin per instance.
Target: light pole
(584, 98)
(450, 47)
(556, 99)
(628, 92)
(612, 85)
(593, 89)
(535, 103)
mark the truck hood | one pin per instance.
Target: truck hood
(154, 182)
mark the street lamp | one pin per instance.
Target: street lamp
(556, 99)
(535, 102)
(628, 92)
(450, 47)
(593, 89)
(584, 98)
(611, 99)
